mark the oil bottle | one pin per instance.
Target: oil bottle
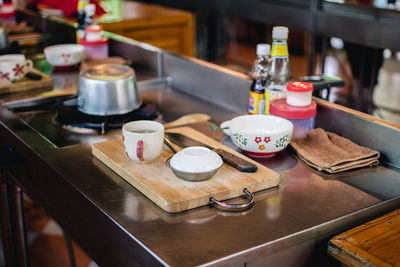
(279, 68)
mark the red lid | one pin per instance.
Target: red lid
(93, 28)
(7, 10)
(279, 107)
(299, 87)
(7, 14)
(103, 40)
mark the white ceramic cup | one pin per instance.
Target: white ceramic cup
(14, 67)
(143, 140)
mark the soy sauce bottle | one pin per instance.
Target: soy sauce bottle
(259, 74)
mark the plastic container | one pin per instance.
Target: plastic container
(303, 118)
(7, 14)
(96, 49)
(299, 94)
(93, 33)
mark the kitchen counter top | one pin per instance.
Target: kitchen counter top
(118, 226)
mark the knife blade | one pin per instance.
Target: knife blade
(233, 160)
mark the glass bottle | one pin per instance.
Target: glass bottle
(80, 32)
(279, 68)
(259, 74)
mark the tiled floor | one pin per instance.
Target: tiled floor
(46, 245)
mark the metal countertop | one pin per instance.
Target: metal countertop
(290, 224)
(305, 207)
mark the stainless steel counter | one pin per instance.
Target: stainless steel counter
(118, 226)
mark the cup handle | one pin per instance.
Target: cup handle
(28, 66)
(139, 150)
(226, 127)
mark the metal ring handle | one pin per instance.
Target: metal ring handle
(235, 207)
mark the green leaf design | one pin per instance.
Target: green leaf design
(283, 141)
(239, 139)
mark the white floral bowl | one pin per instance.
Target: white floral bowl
(259, 135)
(64, 55)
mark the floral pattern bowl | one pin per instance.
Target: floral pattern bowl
(64, 55)
(259, 135)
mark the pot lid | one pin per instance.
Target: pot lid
(108, 72)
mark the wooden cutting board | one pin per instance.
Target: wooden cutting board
(157, 181)
(26, 84)
(374, 243)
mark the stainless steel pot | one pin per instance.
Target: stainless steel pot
(107, 89)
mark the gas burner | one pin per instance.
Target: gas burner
(70, 118)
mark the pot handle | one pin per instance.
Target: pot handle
(225, 126)
(235, 207)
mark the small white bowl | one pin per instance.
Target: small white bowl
(64, 55)
(195, 163)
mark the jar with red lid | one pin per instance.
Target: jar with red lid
(96, 46)
(303, 118)
(7, 14)
(299, 94)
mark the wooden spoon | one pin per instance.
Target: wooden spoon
(186, 119)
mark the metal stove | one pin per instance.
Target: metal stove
(69, 117)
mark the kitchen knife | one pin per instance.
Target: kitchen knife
(233, 160)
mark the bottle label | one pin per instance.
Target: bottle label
(279, 50)
(272, 94)
(82, 4)
(256, 103)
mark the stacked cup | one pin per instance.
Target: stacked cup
(298, 107)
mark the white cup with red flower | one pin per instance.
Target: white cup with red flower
(259, 136)
(14, 67)
(143, 140)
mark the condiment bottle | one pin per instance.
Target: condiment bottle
(80, 32)
(259, 74)
(279, 68)
(303, 118)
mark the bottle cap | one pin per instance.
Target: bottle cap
(299, 87)
(280, 32)
(263, 49)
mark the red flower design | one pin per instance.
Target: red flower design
(5, 75)
(267, 139)
(257, 140)
(261, 147)
(66, 57)
(19, 69)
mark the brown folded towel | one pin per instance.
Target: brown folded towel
(332, 153)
